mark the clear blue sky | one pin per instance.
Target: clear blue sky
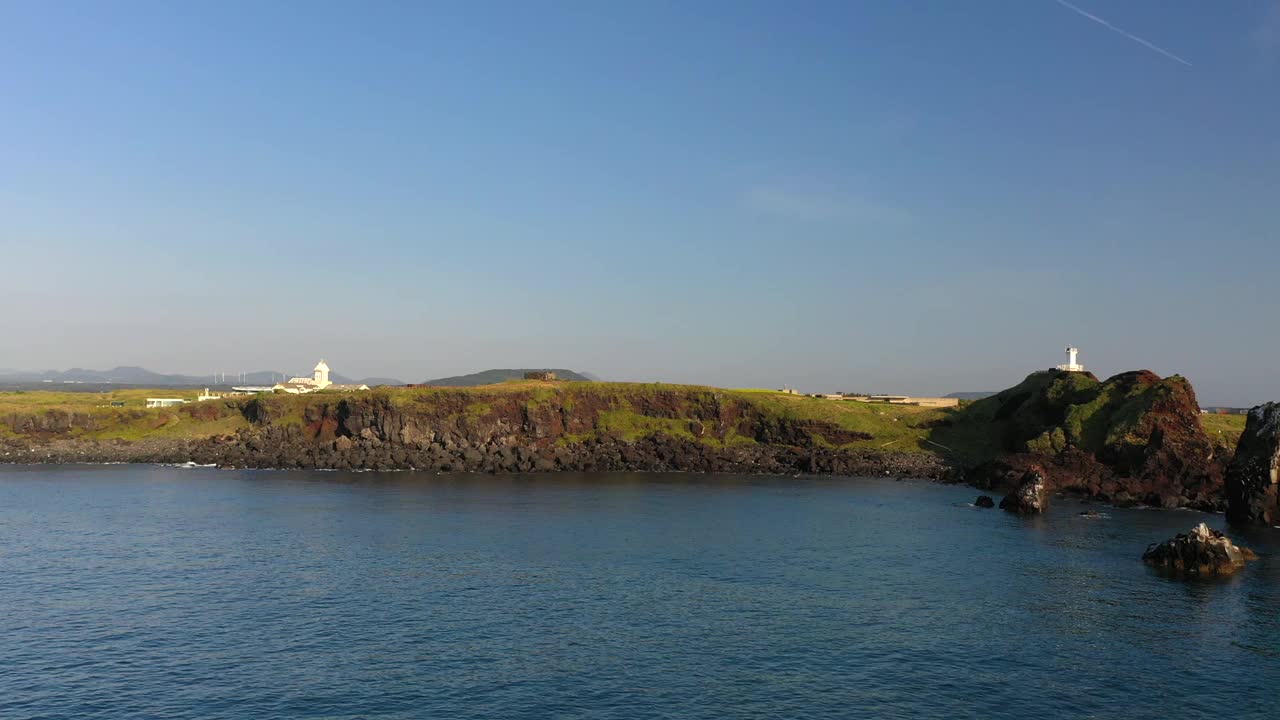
(913, 197)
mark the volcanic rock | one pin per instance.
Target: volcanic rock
(1031, 496)
(1253, 492)
(984, 501)
(1199, 553)
(1134, 435)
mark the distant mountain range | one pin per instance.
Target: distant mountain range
(489, 377)
(978, 395)
(128, 375)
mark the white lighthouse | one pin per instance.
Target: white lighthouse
(1072, 365)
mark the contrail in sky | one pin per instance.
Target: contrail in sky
(1131, 36)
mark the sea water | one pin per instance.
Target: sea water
(164, 592)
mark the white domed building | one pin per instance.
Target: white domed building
(319, 380)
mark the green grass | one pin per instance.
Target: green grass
(479, 409)
(20, 401)
(175, 426)
(93, 417)
(626, 410)
(630, 425)
(1225, 429)
(619, 410)
(896, 427)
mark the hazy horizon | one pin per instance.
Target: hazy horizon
(922, 386)
(924, 198)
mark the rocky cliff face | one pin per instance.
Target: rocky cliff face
(524, 431)
(1133, 438)
(598, 427)
(49, 423)
(532, 420)
(1253, 480)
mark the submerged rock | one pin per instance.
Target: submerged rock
(1199, 553)
(1253, 479)
(984, 501)
(1031, 497)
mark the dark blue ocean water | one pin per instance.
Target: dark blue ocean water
(149, 592)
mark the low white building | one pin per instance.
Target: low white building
(165, 402)
(910, 400)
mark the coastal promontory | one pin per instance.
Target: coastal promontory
(1135, 438)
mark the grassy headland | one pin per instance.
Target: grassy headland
(1135, 425)
(590, 409)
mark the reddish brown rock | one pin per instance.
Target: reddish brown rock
(1133, 438)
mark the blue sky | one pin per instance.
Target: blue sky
(909, 197)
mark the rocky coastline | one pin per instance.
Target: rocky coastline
(1133, 439)
(657, 453)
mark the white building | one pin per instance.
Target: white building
(1072, 365)
(319, 380)
(165, 402)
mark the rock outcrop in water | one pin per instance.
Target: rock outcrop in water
(1253, 480)
(1031, 497)
(1135, 438)
(984, 501)
(1199, 553)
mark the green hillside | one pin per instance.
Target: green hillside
(1046, 413)
(582, 411)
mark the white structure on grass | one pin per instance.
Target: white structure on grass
(319, 380)
(1072, 365)
(165, 402)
